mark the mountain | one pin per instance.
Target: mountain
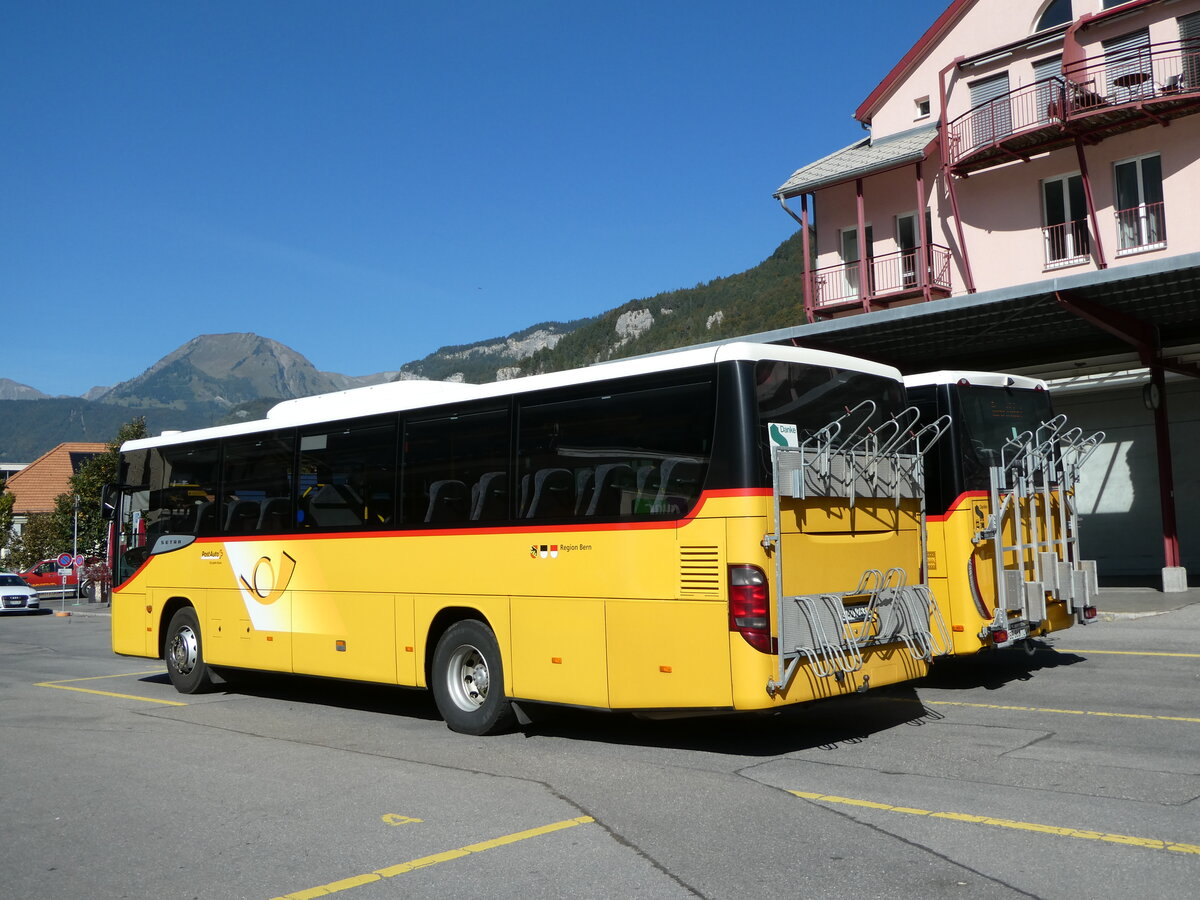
(222, 370)
(490, 360)
(218, 378)
(12, 390)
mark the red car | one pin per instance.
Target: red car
(44, 576)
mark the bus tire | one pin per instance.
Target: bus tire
(184, 653)
(468, 680)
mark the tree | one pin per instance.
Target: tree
(39, 539)
(87, 484)
(7, 538)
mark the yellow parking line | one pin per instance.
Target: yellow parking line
(1129, 652)
(1063, 712)
(425, 861)
(1060, 831)
(69, 685)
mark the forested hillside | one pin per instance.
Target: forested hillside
(765, 297)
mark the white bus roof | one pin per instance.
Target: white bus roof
(395, 396)
(987, 379)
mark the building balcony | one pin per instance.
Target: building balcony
(1142, 228)
(893, 276)
(1096, 99)
(1138, 230)
(1067, 244)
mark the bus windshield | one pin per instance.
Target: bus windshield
(987, 417)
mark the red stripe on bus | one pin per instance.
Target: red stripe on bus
(957, 504)
(531, 528)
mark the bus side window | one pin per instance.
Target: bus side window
(254, 469)
(348, 475)
(450, 462)
(617, 451)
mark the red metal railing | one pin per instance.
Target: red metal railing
(1142, 227)
(1067, 243)
(888, 275)
(1025, 108)
(1156, 73)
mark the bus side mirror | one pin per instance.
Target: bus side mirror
(108, 502)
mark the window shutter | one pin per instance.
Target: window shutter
(992, 116)
(1127, 59)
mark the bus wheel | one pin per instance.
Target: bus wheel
(184, 653)
(468, 680)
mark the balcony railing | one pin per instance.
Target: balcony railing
(1067, 244)
(889, 277)
(1142, 227)
(1161, 79)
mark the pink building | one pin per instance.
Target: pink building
(1025, 201)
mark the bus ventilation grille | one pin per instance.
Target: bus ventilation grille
(699, 572)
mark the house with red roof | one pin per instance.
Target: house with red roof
(36, 485)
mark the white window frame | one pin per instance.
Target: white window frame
(850, 282)
(1145, 221)
(1072, 255)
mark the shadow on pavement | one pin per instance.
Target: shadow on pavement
(993, 670)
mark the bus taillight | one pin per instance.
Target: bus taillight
(1089, 612)
(750, 606)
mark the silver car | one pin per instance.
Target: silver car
(15, 594)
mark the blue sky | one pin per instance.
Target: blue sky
(368, 181)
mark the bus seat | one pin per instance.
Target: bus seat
(553, 494)
(241, 516)
(680, 479)
(647, 479)
(489, 497)
(524, 504)
(447, 501)
(585, 482)
(335, 506)
(613, 480)
(206, 518)
(276, 514)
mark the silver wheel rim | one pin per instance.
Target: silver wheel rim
(184, 650)
(467, 678)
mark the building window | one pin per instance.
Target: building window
(1057, 12)
(1141, 215)
(923, 108)
(991, 111)
(1128, 72)
(1189, 39)
(848, 287)
(1064, 217)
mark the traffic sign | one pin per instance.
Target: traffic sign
(78, 560)
(64, 560)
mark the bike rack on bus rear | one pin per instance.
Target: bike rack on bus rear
(1034, 465)
(848, 460)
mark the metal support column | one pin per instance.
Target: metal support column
(1143, 337)
(1097, 241)
(864, 293)
(923, 254)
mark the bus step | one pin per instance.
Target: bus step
(1035, 601)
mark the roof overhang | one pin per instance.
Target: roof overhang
(1018, 327)
(862, 158)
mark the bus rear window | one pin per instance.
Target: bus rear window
(810, 397)
(988, 417)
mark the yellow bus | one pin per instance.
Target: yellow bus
(618, 537)
(1004, 558)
